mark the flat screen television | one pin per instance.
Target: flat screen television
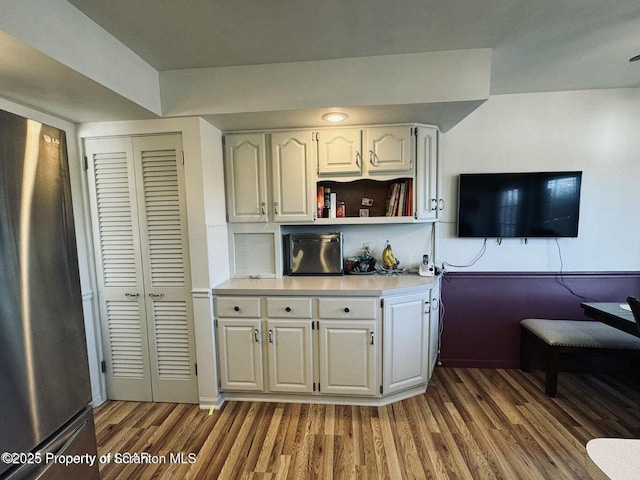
(525, 205)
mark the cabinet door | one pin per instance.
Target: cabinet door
(245, 166)
(292, 162)
(340, 151)
(240, 354)
(406, 337)
(434, 327)
(348, 357)
(427, 204)
(290, 355)
(389, 149)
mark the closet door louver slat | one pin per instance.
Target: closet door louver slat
(163, 216)
(125, 339)
(115, 219)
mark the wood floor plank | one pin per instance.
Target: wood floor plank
(470, 424)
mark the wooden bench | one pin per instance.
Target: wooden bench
(557, 337)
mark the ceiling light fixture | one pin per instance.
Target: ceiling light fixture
(634, 59)
(334, 117)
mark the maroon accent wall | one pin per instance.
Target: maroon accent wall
(482, 311)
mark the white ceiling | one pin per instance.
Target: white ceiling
(540, 45)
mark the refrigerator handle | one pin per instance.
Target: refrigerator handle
(73, 436)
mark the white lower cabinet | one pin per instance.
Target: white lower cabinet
(240, 354)
(406, 342)
(434, 326)
(324, 346)
(348, 359)
(290, 355)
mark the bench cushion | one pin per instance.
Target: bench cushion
(580, 333)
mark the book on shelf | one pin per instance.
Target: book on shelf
(400, 199)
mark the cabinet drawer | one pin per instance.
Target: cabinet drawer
(245, 307)
(289, 307)
(347, 307)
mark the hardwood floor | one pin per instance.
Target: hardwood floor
(471, 424)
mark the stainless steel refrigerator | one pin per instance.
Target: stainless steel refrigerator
(45, 394)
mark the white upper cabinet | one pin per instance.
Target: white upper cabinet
(275, 176)
(292, 162)
(340, 151)
(245, 165)
(288, 170)
(369, 151)
(389, 149)
(427, 203)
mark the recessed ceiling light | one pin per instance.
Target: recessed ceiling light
(634, 59)
(335, 117)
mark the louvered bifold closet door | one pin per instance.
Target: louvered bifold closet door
(163, 233)
(115, 227)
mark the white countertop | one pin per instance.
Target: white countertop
(353, 285)
(618, 458)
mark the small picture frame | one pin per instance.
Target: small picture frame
(364, 212)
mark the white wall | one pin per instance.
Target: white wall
(594, 131)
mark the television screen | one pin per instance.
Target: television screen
(527, 205)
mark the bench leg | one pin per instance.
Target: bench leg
(525, 349)
(551, 379)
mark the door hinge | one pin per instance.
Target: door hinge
(382, 303)
(313, 327)
(215, 323)
(182, 157)
(103, 366)
(318, 386)
(85, 163)
(314, 386)
(380, 389)
(195, 366)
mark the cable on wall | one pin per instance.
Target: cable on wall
(480, 254)
(561, 279)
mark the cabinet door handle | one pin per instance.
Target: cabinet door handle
(255, 335)
(371, 338)
(132, 295)
(358, 161)
(262, 209)
(287, 309)
(156, 295)
(346, 310)
(427, 307)
(236, 308)
(434, 204)
(371, 157)
(441, 204)
(275, 207)
(270, 336)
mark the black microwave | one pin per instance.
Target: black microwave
(313, 254)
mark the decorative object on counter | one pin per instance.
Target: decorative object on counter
(363, 264)
(388, 259)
